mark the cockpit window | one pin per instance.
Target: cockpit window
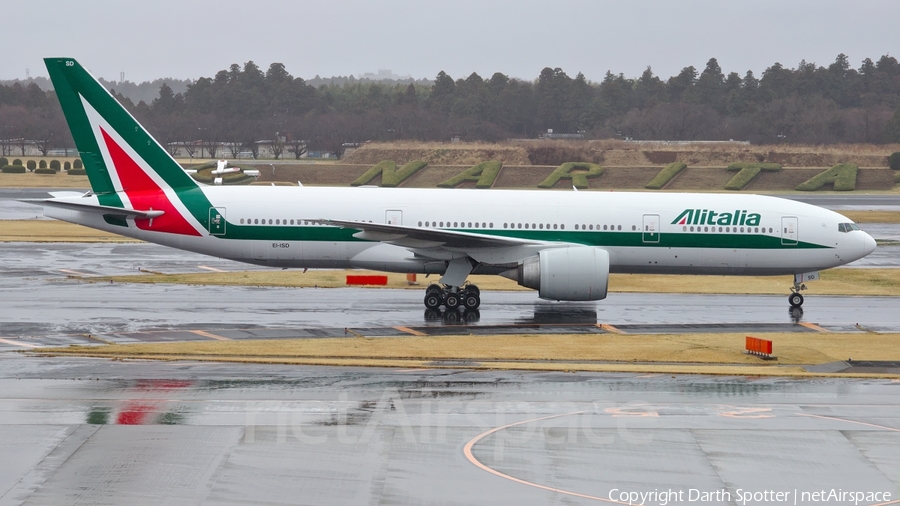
(847, 227)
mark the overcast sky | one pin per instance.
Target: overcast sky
(190, 39)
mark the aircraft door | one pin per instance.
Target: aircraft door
(216, 221)
(789, 230)
(650, 232)
(393, 217)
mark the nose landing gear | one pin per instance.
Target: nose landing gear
(451, 297)
(795, 299)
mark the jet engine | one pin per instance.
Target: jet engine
(572, 273)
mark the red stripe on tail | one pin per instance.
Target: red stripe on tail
(145, 194)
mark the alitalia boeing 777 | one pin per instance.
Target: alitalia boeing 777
(563, 244)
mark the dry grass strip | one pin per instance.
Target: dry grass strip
(53, 231)
(675, 353)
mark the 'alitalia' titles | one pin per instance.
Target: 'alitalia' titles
(710, 217)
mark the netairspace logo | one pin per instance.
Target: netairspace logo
(746, 497)
(710, 217)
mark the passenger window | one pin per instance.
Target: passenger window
(554, 226)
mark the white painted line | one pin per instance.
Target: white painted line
(16, 343)
(210, 268)
(67, 271)
(209, 335)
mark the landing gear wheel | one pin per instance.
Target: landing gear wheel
(433, 300)
(474, 289)
(434, 289)
(471, 300)
(451, 301)
(795, 299)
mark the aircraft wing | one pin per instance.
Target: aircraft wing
(96, 208)
(447, 244)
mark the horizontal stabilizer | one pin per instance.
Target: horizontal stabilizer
(98, 209)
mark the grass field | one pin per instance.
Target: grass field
(32, 180)
(53, 231)
(678, 353)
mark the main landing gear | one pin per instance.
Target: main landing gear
(451, 297)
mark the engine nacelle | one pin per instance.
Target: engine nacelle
(573, 273)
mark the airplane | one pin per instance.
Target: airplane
(562, 244)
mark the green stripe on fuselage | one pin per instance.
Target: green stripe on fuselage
(593, 238)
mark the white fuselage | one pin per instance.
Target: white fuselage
(638, 229)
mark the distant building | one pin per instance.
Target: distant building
(552, 136)
(384, 75)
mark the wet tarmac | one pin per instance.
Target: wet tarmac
(91, 431)
(87, 431)
(34, 279)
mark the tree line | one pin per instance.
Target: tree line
(242, 106)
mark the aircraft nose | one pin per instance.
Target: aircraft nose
(868, 244)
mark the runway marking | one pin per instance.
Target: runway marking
(624, 412)
(69, 271)
(813, 326)
(609, 328)
(413, 370)
(467, 451)
(851, 421)
(647, 376)
(211, 336)
(210, 268)
(409, 330)
(740, 412)
(14, 343)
